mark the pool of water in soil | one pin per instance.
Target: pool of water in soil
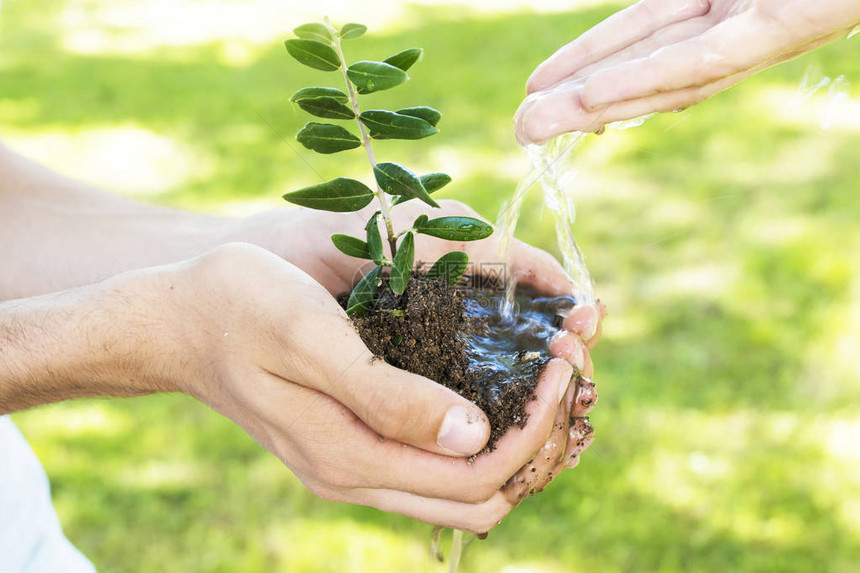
(506, 350)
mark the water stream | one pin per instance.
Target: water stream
(553, 168)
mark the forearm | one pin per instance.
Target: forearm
(56, 233)
(90, 341)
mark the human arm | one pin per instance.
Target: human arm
(663, 55)
(163, 329)
(238, 328)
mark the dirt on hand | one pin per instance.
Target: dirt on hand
(426, 331)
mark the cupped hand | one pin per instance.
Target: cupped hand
(302, 236)
(263, 343)
(663, 55)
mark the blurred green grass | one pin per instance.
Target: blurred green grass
(723, 240)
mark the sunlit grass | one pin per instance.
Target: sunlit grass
(723, 240)
(128, 157)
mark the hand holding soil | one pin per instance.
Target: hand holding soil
(298, 236)
(261, 342)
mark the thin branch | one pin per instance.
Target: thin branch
(368, 147)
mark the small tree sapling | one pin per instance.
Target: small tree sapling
(319, 46)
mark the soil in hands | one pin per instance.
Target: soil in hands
(457, 337)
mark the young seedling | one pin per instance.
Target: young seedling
(319, 46)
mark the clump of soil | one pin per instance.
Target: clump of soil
(456, 336)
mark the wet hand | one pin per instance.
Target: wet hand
(264, 344)
(663, 55)
(308, 246)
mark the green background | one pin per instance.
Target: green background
(723, 240)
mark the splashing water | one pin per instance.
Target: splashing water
(550, 162)
(551, 167)
(836, 96)
(838, 90)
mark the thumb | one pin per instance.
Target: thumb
(328, 355)
(412, 409)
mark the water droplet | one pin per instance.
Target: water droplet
(836, 96)
(813, 80)
(837, 93)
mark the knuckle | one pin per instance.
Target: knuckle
(484, 493)
(692, 8)
(479, 493)
(374, 410)
(221, 263)
(392, 409)
(699, 7)
(385, 423)
(231, 252)
(488, 519)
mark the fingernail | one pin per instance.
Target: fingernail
(577, 356)
(587, 396)
(569, 347)
(562, 388)
(521, 120)
(585, 320)
(463, 431)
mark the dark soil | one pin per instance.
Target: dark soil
(456, 336)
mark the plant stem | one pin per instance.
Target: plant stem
(368, 147)
(456, 551)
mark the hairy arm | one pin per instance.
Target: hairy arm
(78, 343)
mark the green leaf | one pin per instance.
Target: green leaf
(397, 180)
(385, 124)
(370, 77)
(326, 107)
(340, 195)
(314, 54)
(457, 228)
(432, 182)
(428, 114)
(352, 30)
(327, 138)
(435, 181)
(405, 59)
(420, 221)
(324, 102)
(361, 298)
(374, 239)
(401, 271)
(450, 267)
(351, 246)
(314, 31)
(314, 93)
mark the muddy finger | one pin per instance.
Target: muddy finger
(522, 484)
(586, 398)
